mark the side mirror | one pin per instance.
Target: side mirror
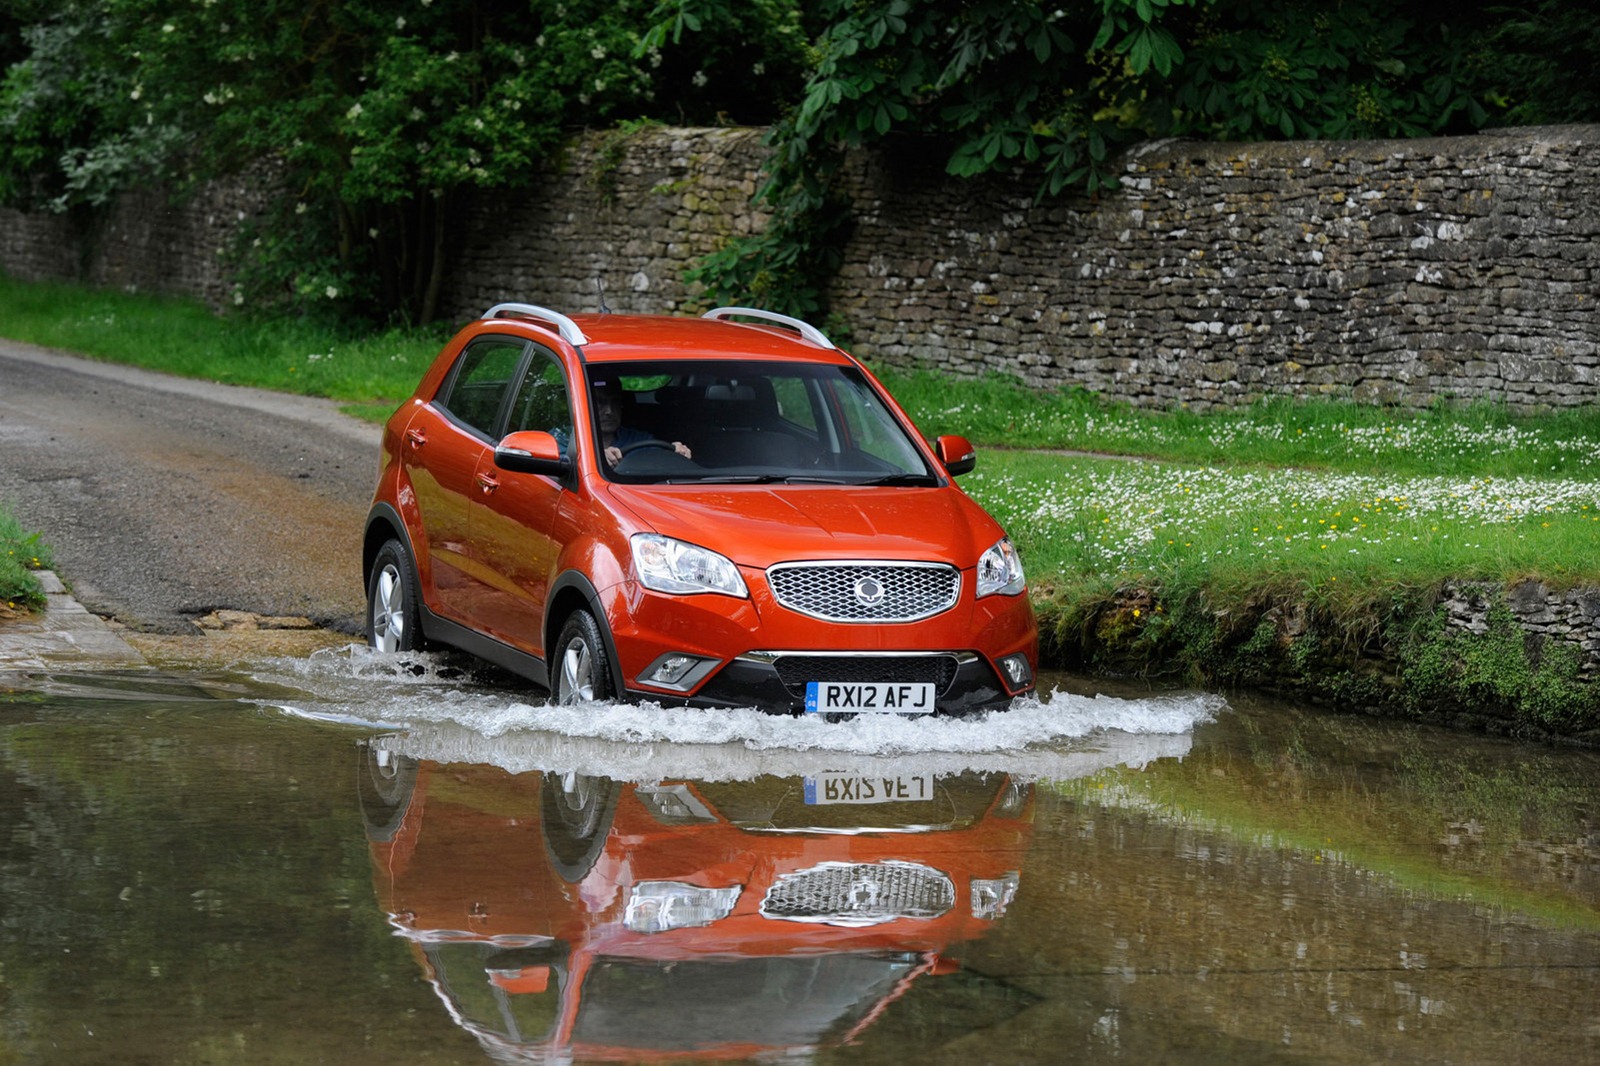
(531, 451)
(957, 455)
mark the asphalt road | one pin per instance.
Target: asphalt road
(164, 499)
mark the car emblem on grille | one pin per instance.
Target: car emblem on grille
(862, 894)
(869, 592)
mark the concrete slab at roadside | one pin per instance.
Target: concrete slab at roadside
(66, 634)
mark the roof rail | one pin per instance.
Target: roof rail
(805, 329)
(567, 328)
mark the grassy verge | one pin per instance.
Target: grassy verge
(1299, 545)
(21, 553)
(369, 373)
(1306, 548)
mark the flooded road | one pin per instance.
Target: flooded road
(339, 859)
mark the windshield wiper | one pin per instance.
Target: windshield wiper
(775, 479)
(758, 479)
(920, 480)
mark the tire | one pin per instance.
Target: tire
(384, 783)
(576, 811)
(580, 668)
(394, 620)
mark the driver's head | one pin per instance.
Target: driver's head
(607, 406)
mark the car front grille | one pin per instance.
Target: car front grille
(866, 592)
(857, 894)
(797, 671)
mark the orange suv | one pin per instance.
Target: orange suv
(726, 511)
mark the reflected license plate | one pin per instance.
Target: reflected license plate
(876, 697)
(831, 788)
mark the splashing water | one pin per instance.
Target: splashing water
(436, 715)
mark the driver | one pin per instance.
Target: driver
(614, 436)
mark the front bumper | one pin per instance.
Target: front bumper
(776, 681)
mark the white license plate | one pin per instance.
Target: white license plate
(832, 788)
(875, 697)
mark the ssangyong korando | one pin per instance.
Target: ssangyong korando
(724, 511)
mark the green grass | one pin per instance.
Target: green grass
(21, 553)
(369, 373)
(1335, 501)
(1280, 494)
(1077, 518)
(1481, 439)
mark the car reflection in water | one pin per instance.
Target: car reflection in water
(564, 915)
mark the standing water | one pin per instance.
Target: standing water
(343, 859)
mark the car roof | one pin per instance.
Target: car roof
(612, 338)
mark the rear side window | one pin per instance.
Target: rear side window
(482, 378)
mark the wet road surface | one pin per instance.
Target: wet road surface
(165, 499)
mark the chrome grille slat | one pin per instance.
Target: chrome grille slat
(857, 894)
(866, 591)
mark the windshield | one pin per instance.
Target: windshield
(677, 422)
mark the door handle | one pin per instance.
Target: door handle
(416, 438)
(488, 482)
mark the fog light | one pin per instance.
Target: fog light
(678, 671)
(1014, 799)
(673, 804)
(671, 669)
(991, 897)
(1016, 670)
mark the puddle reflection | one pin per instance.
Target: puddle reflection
(190, 873)
(561, 915)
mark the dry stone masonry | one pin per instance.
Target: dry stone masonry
(145, 241)
(627, 211)
(1399, 271)
(1406, 272)
(1570, 616)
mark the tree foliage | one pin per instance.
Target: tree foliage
(377, 121)
(380, 120)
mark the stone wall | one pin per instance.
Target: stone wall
(1571, 616)
(147, 241)
(1394, 271)
(1397, 271)
(626, 212)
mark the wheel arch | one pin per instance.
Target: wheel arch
(383, 524)
(570, 592)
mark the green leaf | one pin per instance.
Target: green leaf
(1140, 51)
(1108, 26)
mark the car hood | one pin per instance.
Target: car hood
(758, 525)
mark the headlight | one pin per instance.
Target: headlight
(667, 565)
(658, 906)
(1000, 570)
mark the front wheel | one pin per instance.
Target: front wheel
(394, 622)
(582, 668)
